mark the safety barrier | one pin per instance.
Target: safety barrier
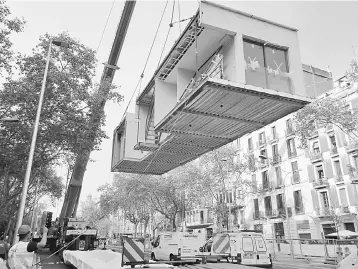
(133, 251)
(221, 243)
(102, 243)
(325, 248)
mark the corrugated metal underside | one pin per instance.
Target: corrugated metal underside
(213, 115)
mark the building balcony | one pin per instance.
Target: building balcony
(321, 183)
(276, 159)
(266, 186)
(263, 163)
(316, 157)
(296, 177)
(339, 179)
(333, 151)
(353, 175)
(324, 212)
(344, 210)
(279, 183)
(289, 132)
(313, 134)
(258, 215)
(269, 213)
(273, 139)
(292, 154)
(277, 213)
(329, 127)
(351, 147)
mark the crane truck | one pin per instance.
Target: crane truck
(69, 227)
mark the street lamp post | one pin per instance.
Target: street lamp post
(33, 141)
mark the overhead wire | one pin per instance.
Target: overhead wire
(179, 17)
(166, 39)
(105, 26)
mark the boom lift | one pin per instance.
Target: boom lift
(71, 227)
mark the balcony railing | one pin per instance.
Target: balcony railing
(351, 146)
(273, 139)
(345, 210)
(262, 142)
(334, 151)
(290, 131)
(279, 183)
(339, 178)
(278, 213)
(313, 134)
(292, 154)
(296, 177)
(316, 157)
(329, 127)
(353, 175)
(324, 212)
(269, 212)
(213, 68)
(321, 183)
(258, 215)
(266, 186)
(276, 159)
(263, 163)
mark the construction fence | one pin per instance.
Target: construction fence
(312, 247)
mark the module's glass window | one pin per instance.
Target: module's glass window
(254, 64)
(247, 244)
(277, 69)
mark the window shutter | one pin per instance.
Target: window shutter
(311, 174)
(341, 138)
(307, 153)
(329, 168)
(323, 143)
(282, 150)
(352, 193)
(334, 196)
(345, 162)
(315, 200)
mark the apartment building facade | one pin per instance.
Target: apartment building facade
(302, 193)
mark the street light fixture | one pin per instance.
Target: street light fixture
(34, 137)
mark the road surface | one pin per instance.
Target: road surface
(53, 262)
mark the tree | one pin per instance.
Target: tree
(66, 117)
(7, 27)
(328, 110)
(219, 173)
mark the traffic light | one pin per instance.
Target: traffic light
(46, 219)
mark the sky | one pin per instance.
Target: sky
(327, 35)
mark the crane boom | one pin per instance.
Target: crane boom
(75, 185)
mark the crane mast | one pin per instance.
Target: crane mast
(75, 185)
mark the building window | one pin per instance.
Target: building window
(201, 217)
(325, 199)
(279, 230)
(315, 148)
(265, 180)
(262, 138)
(273, 132)
(278, 176)
(266, 66)
(254, 183)
(295, 172)
(275, 150)
(337, 167)
(291, 147)
(343, 197)
(268, 206)
(297, 197)
(280, 204)
(249, 142)
(251, 160)
(263, 153)
(257, 209)
(332, 140)
(289, 125)
(320, 172)
(349, 226)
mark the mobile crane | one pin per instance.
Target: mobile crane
(68, 226)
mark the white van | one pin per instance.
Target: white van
(249, 248)
(168, 246)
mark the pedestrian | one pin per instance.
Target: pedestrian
(23, 254)
(4, 249)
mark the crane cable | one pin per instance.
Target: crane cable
(105, 26)
(146, 62)
(166, 39)
(185, 103)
